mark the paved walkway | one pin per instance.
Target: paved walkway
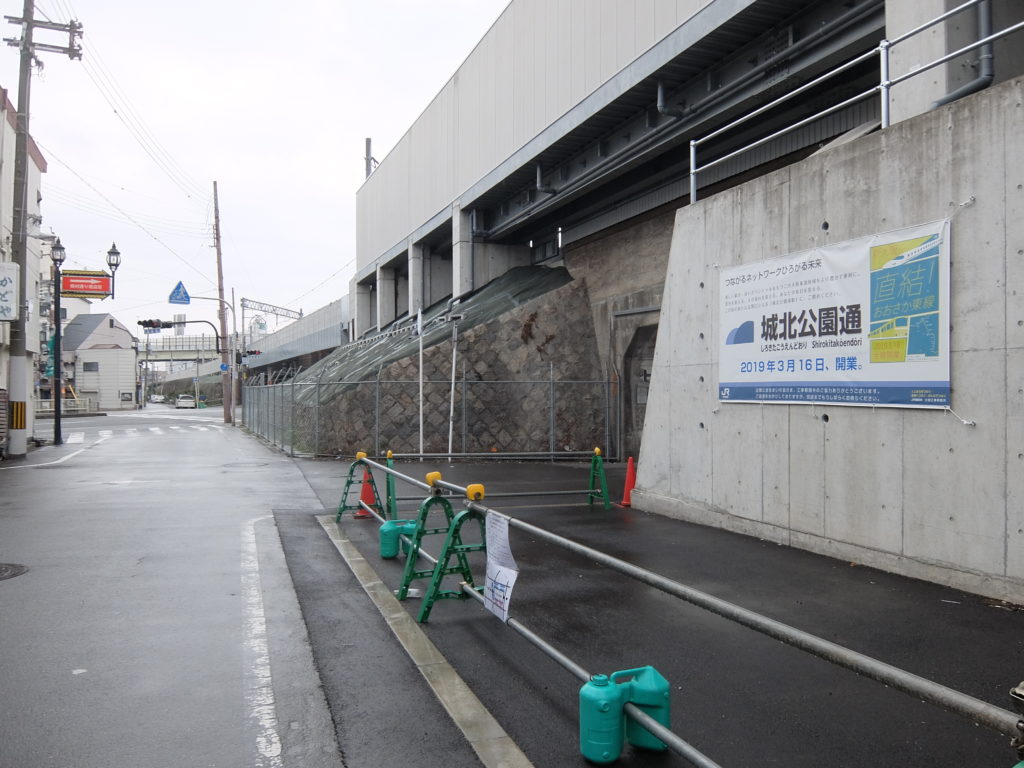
(739, 696)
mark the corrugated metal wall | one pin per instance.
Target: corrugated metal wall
(538, 60)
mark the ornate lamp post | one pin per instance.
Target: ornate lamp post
(57, 255)
(113, 261)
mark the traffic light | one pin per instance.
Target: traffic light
(253, 352)
(156, 323)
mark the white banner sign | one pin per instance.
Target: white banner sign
(8, 291)
(501, 567)
(863, 322)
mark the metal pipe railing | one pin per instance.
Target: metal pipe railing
(672, 740)
(575, 455)
(929, 24)
(883, 50)
(790, 128)
(966, 49)
(786, 97)
(989, 715)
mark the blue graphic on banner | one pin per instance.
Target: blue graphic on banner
(923, 336)
(743, 334)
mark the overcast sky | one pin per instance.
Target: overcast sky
(272, 101)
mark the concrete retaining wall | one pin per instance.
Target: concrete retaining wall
(624, 269)
(911, 491)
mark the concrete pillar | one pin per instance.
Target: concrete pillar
(462, 252)
(401, 293)
(437, 277)
(363, 315)
(385, 296)
(416, 291)
(493, 260)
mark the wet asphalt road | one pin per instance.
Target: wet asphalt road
(135, 638)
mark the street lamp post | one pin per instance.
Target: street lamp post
(57, 254)
(113, 261)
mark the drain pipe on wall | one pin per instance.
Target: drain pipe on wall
(472, 251)
(986, 67)
(541, 186)
(663, 108)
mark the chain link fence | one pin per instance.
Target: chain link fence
(502, 417)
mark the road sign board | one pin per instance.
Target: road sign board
(224, 366)
(85, 284)
(179, 295)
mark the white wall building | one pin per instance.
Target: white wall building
(36, 167)
(103, 356)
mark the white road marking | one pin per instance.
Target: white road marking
(171, 415)
(132, 432)
(61, 460)
(75, 437)
(259, 686)
(492, 745)
(201, 429)
(156, 430)
(106, 433)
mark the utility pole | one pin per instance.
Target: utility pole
(225, 354)
(17, 436)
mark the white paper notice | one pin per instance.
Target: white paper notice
(501, 567)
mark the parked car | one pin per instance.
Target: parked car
(185, 401)
(156, 398)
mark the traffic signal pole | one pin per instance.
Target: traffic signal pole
(172, 323)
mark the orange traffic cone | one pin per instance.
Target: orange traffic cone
(366, 496)
(630, 482)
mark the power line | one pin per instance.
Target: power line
(325, 280)
(121, 105)
(152, 153)
(88, 204)
(124, 213)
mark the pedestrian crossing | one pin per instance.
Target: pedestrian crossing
(79, 436)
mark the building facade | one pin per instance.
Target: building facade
(35, 251)
(102, 357)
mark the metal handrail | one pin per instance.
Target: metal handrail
(996, 718)
(507, 455)
(950, 56)
(671, 739)
(883, 49)
(933, 22)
